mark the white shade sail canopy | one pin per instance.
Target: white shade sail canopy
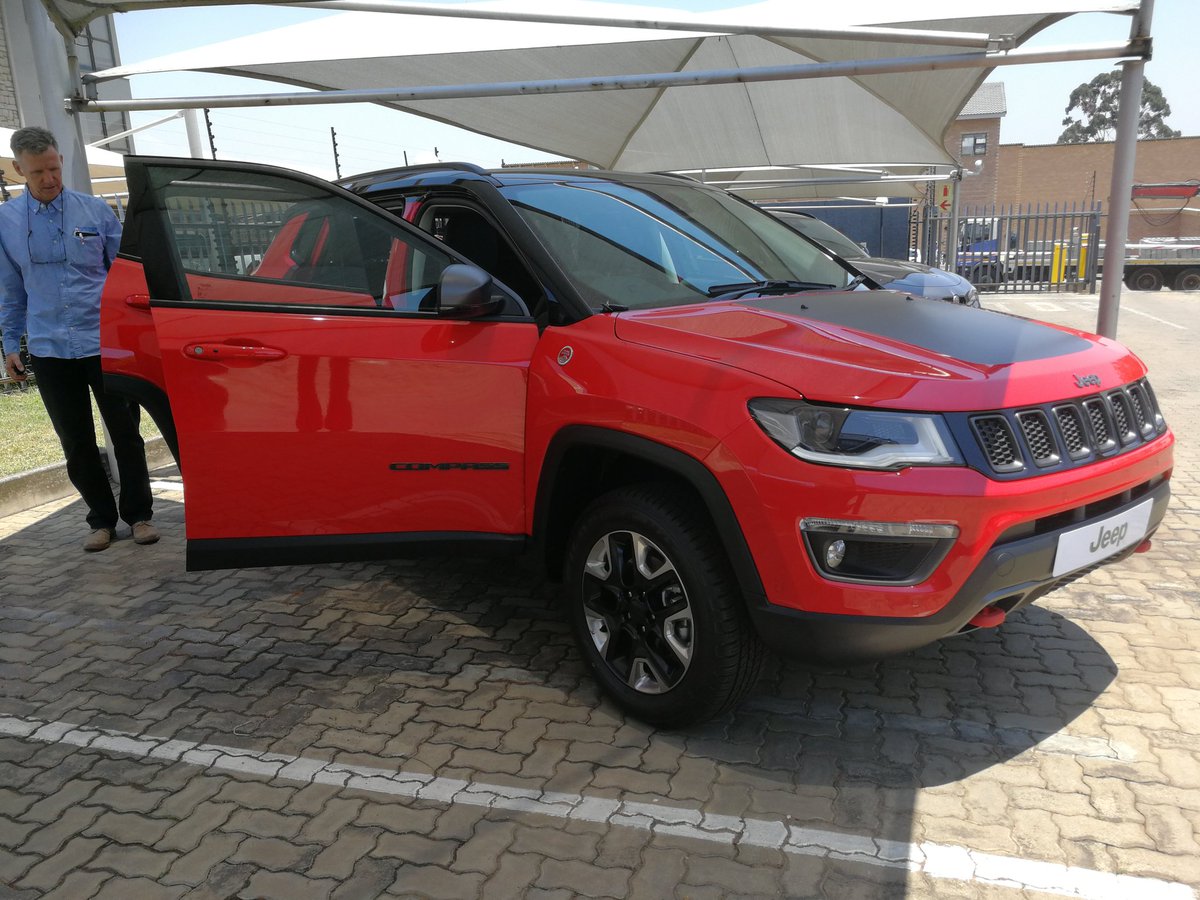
(899, 117)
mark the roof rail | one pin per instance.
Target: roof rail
(378, 175)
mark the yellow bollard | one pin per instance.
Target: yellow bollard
(1081, 270)
(1058, 264)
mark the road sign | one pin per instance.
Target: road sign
(945, 196)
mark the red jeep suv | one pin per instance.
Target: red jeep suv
(712, 430)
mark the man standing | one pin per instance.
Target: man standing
(56, 246)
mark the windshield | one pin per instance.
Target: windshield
(651, 245)
(825, 235)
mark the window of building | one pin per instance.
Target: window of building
(974, 144)
(96, 48)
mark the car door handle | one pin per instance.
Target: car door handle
(220, 351)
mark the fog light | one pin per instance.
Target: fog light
(898, 553)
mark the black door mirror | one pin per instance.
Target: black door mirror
(465, 292)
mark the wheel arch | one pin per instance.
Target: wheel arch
(583, 462)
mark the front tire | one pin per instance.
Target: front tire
(656, 609)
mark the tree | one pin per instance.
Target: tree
(1092, 111)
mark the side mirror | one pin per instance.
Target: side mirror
(465, 292)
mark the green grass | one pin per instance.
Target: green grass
(27, 440)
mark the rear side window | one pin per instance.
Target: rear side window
(258, 238)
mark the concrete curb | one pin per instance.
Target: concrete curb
(29, 489)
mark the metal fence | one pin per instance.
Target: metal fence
(226, 235)
(1018, 248)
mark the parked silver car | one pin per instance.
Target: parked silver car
(894, 274)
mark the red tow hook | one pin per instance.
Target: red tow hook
(988, 617)
(1143, 547)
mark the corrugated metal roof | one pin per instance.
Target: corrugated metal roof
(986, 103)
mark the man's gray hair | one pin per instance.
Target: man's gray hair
(32, 140)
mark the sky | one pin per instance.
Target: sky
(371, 137)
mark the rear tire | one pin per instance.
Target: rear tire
(656, 609)
(1144, 279)
(1187, 280)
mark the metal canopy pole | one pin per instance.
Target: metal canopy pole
(952, 229)
(39, 52)
(629, 82)
(932, 37)
(1121, 191)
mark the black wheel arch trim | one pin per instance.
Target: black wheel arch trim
(688, 468)
(151, 398)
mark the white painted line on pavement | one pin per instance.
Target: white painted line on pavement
(175, 486)
(934, 860)
(1138, 312)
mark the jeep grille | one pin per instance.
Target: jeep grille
(1034, 440)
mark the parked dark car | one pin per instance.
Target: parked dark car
(894, 274)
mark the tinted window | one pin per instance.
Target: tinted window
(825, 235)
(259, 238)
(652, 244)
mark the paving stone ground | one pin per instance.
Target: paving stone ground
(426, 729)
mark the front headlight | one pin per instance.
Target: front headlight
(972, 297)
(861, 438)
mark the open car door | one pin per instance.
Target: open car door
(335, 393)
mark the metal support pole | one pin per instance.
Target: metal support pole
(952, 232)
(40, 53)
(197, 145)
(129, 131)
(1121, 191)
(835, 69)
(853, 33)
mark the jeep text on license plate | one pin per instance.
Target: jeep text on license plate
(1102, 539)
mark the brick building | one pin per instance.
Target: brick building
(974, 141)
(1065, 174)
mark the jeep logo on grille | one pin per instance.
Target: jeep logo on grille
(1087, 381)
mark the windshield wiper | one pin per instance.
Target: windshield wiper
(746, 288)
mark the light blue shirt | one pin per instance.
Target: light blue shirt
(54, 258)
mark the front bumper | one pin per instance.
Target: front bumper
(1013, 574)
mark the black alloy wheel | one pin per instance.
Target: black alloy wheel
(637, 612)
(655, 607)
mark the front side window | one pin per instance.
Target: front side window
(652, 244)
(254, 237)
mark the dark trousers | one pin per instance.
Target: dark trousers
(64, 385)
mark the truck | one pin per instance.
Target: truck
(715, 434)
(1151, 264)
(994, 250)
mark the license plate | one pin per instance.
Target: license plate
(1100, 540)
